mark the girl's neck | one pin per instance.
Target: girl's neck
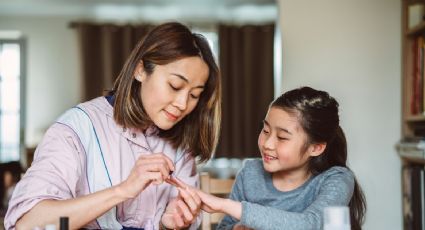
(289, 180)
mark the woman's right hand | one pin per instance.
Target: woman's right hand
(154, 168)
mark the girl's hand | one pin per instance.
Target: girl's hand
(154, 168)
(211, 203)
(183, 210)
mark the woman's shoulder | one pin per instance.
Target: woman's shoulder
(98, 105)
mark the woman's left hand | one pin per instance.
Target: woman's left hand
(183, 210)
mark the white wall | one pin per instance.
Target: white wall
(352, 49)
(53, 70)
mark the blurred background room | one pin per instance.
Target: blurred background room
(55, 54)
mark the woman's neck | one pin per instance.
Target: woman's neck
(290, 179)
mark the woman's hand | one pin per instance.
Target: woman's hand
(183, 210)
(154, 168)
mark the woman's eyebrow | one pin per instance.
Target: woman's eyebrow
(186, 80)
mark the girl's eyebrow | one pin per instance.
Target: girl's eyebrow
(277, 127)
(186, 80)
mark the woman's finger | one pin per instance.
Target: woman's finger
(155, 177)
(188, 200)
(155, 160)
(158, 167)
(160, 156)
(178, 220)
(195, 196)
(184, 209)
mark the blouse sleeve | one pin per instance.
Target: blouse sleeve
(53, 174)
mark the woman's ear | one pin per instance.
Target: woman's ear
(139, 72)
(317, 149)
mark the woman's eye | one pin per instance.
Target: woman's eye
(173, 87)
(194, 96)
(282, 138)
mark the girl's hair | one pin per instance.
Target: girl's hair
(197, 132)
(317, 113)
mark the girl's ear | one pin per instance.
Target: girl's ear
(317, 149)
(139, 72)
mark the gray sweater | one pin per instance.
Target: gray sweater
(264, 207)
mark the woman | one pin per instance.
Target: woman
(103, 163)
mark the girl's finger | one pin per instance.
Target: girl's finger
(180, 183)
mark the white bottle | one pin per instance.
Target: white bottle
(336, 218)
(50, 227)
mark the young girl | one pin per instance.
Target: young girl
(103, 163)
(303, 169)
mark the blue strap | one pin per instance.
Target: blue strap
(131, 228)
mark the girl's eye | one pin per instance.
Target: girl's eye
(265, 131)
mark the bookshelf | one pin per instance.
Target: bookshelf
(412, 146)
(413, 68)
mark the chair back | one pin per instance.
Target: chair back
(216, 187)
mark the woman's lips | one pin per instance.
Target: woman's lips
(171, 116)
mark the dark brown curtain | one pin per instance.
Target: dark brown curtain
(104, 50)
(246, 63)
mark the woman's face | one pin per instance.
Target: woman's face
(173, 90)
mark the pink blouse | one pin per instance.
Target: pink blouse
(59, 169)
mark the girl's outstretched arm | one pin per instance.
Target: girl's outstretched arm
(214, 204)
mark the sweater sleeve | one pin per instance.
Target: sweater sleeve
(237, 194)
(336, 190)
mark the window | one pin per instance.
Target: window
(211, 35)
(11, 96)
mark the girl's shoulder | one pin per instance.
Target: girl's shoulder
(252, 167)
(338, 170)
(252, 163)
(337, 174)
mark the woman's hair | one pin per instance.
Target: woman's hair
(317, 113)
(198, 131)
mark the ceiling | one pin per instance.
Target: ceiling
(147, 10)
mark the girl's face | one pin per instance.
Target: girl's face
(281, 142)
(172, 91)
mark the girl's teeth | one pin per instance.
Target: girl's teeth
(271, 158)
